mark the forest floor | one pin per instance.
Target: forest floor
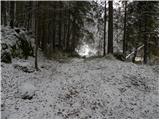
(80, 88)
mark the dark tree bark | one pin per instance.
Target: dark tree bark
(3, 9)
(110, 28)
(68, 31)
(12, 13)
(60, 25)
(73, 41)
(104, 47)
(124, 34)
(145, 43)
(54, 26)
(33, 17)
(43, 36)
(64, 30)
(28, 14)
(36, 35)
(51, 35)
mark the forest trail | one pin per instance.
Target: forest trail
(81, 88)
(83, 84)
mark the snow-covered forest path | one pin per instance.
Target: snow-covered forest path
(78, 88)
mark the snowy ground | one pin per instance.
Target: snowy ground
(77, 88)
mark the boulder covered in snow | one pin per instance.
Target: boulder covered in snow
(26, 91)
(17, 43)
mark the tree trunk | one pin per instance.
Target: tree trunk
(54, 33)
(54, 26)
(104, 47)
(36, 35)
(124, 34)
(64, 30)
(3, 9)
(110, 28)
(60, 25)
(68, 31)
(74, 30)
(33, 17)
(12, 13)
(51, 37)
(145, 43)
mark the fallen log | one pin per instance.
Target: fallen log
(139, 48)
